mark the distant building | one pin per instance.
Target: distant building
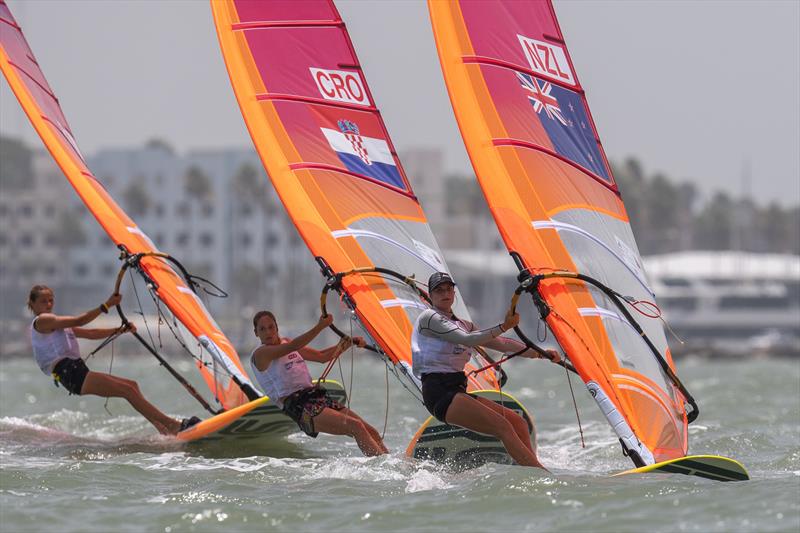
(730, 300)
(454, 205)
(40, 230)
(214, 210)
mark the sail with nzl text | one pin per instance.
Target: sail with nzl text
(535, 149)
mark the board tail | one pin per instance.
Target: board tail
(713, 467)
(461, 448)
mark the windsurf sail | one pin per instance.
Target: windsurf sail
(533, 144)
(321, 138)
(214, 355)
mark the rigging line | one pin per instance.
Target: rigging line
(110, 366)
(352, 364)
(566, 369)
(119, 331)
(183, 344)
(169, 327)
(665, 366)
(672, 331)
(160, 321)
(141, 309)
(541, 332)
(186, 385)
(386, 413)
(655, 314)
(204, 299)
(575, 404)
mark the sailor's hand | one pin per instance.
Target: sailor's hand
(511, 321)
(554, 356)
(113, 300)
(359, 341)
(129, 328)
(343, 344)
(325, 321)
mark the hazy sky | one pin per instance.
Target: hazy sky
(699, 91)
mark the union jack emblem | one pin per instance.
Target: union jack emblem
(350, 130)
(540, 97)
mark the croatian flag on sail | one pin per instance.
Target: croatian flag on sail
(368, 156)
(564, 118)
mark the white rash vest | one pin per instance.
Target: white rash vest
(50, 348)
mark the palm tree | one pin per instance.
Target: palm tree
(197, 184)
(17, 164)
(136, 198)
(250, 189)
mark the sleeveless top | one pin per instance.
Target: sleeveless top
(50, 348)
(283, 376)
(442, 344)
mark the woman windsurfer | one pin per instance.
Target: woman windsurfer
(280, 368)
(440, 346)
(56, 351)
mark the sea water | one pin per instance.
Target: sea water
(72, 463)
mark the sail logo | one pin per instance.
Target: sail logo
(547, 60)
(540, 97)
(430, 255)
(340, 86)
(630, 257)
(351, 133)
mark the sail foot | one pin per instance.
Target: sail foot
(631, 445)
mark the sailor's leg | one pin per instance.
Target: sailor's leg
(519, 423)
(469, 413)
(372, 431)
(109, 386)
(339, 423)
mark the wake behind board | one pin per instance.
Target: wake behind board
(707, 466)
(461, 448)
(259, 419)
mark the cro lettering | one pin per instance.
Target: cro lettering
(547, 60)
(340, 86)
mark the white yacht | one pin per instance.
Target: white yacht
(718, 303)
(730, 303)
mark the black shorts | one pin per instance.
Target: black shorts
(70, 374)
(303, 405)
(439, 389)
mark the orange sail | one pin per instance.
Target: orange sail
(323, 142)
(215, 356)
(533, 144)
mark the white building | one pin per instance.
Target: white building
(198, 207)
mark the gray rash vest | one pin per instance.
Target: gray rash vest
(442, 344)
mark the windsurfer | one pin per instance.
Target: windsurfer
(279, 365)
(440, 345)
(56, 351)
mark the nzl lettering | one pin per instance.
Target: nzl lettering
(546, 59)
(340, 86)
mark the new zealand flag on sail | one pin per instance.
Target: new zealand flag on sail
(362, 154)
(564, 118)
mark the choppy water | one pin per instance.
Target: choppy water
(68, 465)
